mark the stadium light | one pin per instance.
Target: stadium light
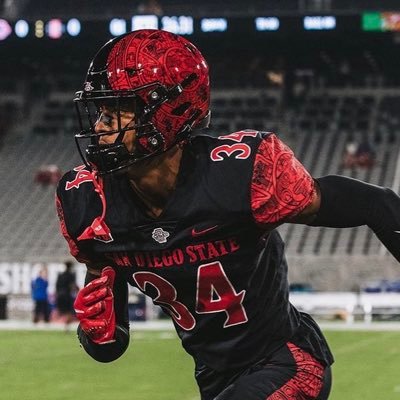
(54, 28)
(181, 25)
(73, 27)
(117, 26)
(319, 23)
(21, 28)
(5, 29)
(39, 28)
(214, 24)
(267, 23)
(144, 22)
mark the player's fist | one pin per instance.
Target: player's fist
(94, 307)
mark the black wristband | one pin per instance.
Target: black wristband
(347, 202)
(106, 352)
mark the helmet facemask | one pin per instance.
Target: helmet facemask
(108, 158)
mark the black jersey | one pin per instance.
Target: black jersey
(208, 259)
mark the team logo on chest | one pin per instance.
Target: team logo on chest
(159, 235)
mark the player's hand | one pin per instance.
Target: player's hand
(94, 307)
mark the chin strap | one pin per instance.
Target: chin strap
(98, 228)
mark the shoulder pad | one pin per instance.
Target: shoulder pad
(75, 178)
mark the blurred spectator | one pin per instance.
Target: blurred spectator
(365, 155)
(359, 155)
(152, 7)
(40, 297)
(344, 72)
(1, 136)
(66, 289)
(48, 175)
(350, 158)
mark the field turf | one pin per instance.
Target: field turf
(50, 365)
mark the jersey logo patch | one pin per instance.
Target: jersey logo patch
(159, 235)
(88, 87)
(82, 176)
(201, 232)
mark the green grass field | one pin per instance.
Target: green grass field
(50, 365)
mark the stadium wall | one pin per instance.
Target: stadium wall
(323, 273)
(341, 272)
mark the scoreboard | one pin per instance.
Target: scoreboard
(58, 28)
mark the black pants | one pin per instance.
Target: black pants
(42, 309)
(290, 374)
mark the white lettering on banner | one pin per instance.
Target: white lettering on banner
(5, 281)
(16, 278)
(19, 304)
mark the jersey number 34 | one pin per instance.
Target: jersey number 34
(214, 293)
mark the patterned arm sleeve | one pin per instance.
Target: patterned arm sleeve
(281, 187)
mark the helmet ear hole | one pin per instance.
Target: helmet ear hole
(150, 144)
(130, 71)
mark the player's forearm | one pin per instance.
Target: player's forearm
(106, 352)
(347, 202)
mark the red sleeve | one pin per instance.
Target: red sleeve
(281, 187)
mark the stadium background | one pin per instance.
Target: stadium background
(320, 88)
(320, 73)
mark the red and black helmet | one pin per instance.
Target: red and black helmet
(161, 76)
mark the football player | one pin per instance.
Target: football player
(189, 219)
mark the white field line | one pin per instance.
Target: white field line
(360, 326)
(360, 344)
(167, 327)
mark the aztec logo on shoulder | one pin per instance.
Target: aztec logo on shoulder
(82, 176)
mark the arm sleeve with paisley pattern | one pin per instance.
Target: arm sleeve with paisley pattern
(347, 202)
(281, 187)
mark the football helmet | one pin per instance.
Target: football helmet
(161, 77)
